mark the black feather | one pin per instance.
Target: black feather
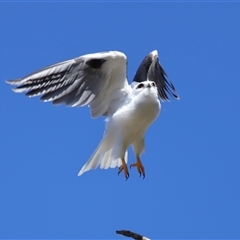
(150, 69)
(142, 72)
(95, 63)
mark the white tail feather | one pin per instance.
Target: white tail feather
(109, 162)
(102, 156)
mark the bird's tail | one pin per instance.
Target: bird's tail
(102, 156)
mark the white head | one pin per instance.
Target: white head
(145, 87)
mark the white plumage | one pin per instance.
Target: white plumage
(99, 80)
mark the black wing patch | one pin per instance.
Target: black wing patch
(95, 63)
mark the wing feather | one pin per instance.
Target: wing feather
(87, 80)
(151, 69)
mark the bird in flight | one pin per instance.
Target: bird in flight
(99, 80)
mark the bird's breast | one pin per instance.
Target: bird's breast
(132, 120)
(139, 113)
(146, 109)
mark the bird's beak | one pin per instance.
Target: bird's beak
(149, 85)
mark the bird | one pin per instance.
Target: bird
(131, 234)
(99, 80)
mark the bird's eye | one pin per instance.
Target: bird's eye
(140, 85)
(153, 84)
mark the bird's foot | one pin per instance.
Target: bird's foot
(140, 167)
(124, 168)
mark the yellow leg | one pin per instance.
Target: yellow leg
(124, 168)
(139, 166)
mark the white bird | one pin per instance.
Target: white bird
(99, 80)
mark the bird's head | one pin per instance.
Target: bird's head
(144, 87)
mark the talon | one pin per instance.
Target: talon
(139, 166)
(124, 168)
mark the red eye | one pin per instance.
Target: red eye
(140, 85)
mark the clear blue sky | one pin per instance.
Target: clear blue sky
(192, 158)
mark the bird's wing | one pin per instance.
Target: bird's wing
(151, 69)
(98, 80)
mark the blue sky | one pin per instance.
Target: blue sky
(192, 184)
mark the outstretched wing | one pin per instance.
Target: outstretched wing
(151, 69)
(98, 80)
